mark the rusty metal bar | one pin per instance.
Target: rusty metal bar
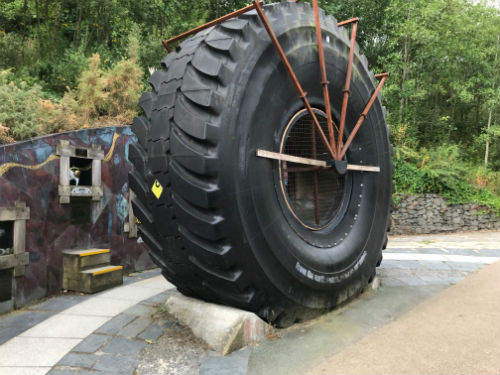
(315, 175)
(166, 43)
(324, 80)
(292, 75)
(364, 113)
(343, 23)
(347, 88)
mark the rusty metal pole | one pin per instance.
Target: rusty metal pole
(364, 113)
(347, 87)
(166, 43)
(324, 79)
(315, 175)
(292, 75)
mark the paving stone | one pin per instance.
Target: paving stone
(143, 275)
(139, 310)
(63, 371)
(440, 266)
(120, 345)
(78, 360)
(466, 252)
(159, 298)
(434, 280)
(115, 324)
(471, 267)
(400, 250)
(155, 330)
(391, 281)
(234, 364)
(135, 327)
(26, 319)
(92, 343)
(117, 364)
(6, 333)
(489, 253)
(402, 264)
(59, 303)
(413, 281)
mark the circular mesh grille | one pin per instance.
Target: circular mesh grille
(314, 194)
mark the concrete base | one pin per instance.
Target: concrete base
(223, 328)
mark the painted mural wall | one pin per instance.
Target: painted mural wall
(29, 173)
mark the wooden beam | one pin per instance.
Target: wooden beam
(318, 163)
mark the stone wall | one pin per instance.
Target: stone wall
(429, 213)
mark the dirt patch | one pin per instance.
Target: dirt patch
(176, 352)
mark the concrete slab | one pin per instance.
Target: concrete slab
(24, 370)
(235, 363)
(223, 328)
(131, 293)
(34, 351)
(66, 326)
(100, 306)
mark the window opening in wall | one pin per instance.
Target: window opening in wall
(6, 237)
(6, 284)
(80, 171)
(80, 210)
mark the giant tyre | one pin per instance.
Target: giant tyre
(215, 216)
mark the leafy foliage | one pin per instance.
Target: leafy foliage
(442, 171)
(67, 64)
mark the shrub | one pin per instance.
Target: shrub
(18, 106)
(442, 171)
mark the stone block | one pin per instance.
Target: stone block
(224, 329)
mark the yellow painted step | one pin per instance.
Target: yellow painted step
(102, 270)
(87, 252)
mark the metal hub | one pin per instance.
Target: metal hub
(312, 194)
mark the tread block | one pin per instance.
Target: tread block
(142, 213)
(177, 70)
(137, 185)
(191, 156)
(201, 90)
(141, 129)
(226, 275)
(194, 122)
(192, 189)
(137, 157)
(160, 125)
(146, 103)
(157, 78)
(205, 225)
(235, 24)
(158, 160)
(207, 63)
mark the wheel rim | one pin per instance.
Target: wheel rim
(313, 195)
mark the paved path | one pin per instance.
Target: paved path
(125, 331)
(37, 349)
(455, 332)
(414, 270)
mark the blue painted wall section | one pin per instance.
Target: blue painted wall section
(29, 172)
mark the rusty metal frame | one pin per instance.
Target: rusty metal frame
(291, 73)
(363, 115)
(347, 86)
(166, 43)
(335, 147)
(324, 80)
